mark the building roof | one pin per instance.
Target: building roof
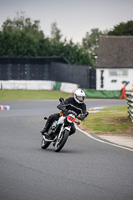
(115, 52)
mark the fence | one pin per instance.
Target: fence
(48, 69)
(26, 68)
(84, 76)
(130, 103)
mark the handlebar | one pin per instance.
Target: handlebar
(62, 107)
(61, 100)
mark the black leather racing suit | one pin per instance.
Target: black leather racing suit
(67, 105)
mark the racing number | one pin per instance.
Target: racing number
(70, 118)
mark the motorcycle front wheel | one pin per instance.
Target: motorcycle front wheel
(44, 144)
(61, 141)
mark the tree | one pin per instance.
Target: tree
(20, 23)
(90, 41)
(22, 37)
(76, 54)
(55, 33)
(122, 29)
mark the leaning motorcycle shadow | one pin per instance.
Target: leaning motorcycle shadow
(63, 151)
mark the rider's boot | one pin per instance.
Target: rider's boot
(44, 131)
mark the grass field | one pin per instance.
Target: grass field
(31, 94)
(113, 120)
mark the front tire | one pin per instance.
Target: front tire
(61, 142)
(44, 144)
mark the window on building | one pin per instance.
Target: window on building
(118, 72)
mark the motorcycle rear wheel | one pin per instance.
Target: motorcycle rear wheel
(59, 144)
(44, 144)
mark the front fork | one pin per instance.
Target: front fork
(62, 129)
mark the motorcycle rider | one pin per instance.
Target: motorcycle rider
(77, 101)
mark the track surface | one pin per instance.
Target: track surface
(84, 169)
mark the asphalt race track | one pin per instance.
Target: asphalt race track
(85, 169)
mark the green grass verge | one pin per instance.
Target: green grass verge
(109, 120)
(31, 94)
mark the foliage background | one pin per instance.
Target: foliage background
(22, 37)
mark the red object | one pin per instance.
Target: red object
(123, 93)
(70, 118)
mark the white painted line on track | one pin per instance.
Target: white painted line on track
(102, 141)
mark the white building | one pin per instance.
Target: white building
(114, 63)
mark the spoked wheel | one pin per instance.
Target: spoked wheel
(61, 141)
(44, 144)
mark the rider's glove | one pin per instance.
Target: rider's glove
(86, 114)
(83, 116)
(60, 106)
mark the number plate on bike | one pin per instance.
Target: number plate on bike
(70, 118)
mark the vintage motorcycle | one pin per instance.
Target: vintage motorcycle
(61, 128)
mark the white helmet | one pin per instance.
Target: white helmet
(79, 96)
